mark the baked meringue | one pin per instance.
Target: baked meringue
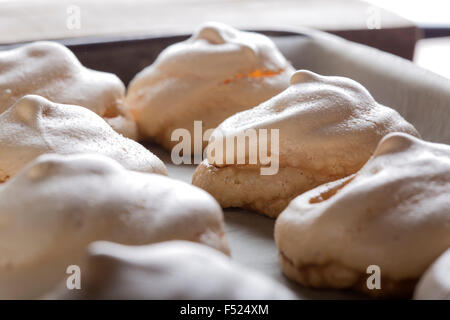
(35, 125)
(394, 214)
(327, 128)
(435, 282)
(209, 77)
(169, 270)
(57, 205)
(51, 70)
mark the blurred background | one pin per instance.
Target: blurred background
(413, 29)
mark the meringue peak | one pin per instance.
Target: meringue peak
(50, 164)
(216, 33)
(28, 108)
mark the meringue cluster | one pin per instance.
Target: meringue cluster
(70, 176)
(355, 187)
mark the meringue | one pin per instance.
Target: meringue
(35, 125)
(51, 70)
(212, 75)
(168, 270)
(57, 205)
(328, 128)
(435, 282)
(394, 213)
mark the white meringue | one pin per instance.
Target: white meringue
(51, 70)
(435, 282)
(57, 205)
(35, 125)
(212, 75)
(168, 270)
(393, 213)
(328, 128)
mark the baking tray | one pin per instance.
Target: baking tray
(422, 97)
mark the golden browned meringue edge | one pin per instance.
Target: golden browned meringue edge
(244, 187)
(319, 277)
